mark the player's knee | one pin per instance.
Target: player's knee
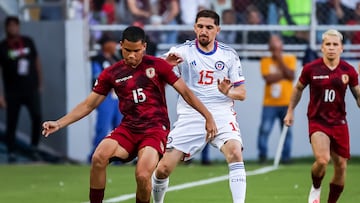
(323, 161)
(234, 155)
(99, 160)
(143, 178)
(162, 171)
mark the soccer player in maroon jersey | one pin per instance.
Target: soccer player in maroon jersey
(328, 78)
(139, 81)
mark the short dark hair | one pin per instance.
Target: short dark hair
(133, 34)
(11, 19)
(208, 14)
(106, 37)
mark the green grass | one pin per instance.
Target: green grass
(69, 183)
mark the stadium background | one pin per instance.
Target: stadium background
(64, 49)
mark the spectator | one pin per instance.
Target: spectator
(332, 12)
(188, 11)
(278, 71)
(97, 17)
(109, 8)
(240, 7)
(130, 11)
(108, 116)
(22, 79)
(355, 36)
(219, 6)
(169, 12)
(300, 13)
(228, 18)
(253, 17)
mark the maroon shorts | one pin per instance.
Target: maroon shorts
(339, 137)
(132, 142)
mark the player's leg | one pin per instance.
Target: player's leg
(106, 149)
(320, 144)
(268, 118)
(160, 178)
(232, 150)
(340, 153)
(148, 158)
(338, 180)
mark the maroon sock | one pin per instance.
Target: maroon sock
(316, 180)
(334, 193)
(96, 195)
(139, 201)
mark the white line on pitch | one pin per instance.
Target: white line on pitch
(194, 184)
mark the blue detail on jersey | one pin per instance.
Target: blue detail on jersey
(206, 53)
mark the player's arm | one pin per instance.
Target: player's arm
(193, 101)
(294, 100)
(234, 92)
(79, 112)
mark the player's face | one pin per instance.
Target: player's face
(332, 47)
(206, 30)
(132, 52)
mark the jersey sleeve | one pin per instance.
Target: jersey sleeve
(166, 72)
(353, 81)
(236, 72)
(103, 83)
(305, 75)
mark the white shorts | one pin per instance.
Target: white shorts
(189, 134)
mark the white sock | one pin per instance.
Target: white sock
(159, 187)
(237, 181)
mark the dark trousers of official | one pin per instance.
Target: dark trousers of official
(15, 102)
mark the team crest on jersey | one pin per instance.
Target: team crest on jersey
(219, 65)
(169, 140)
(150, 72)
(345, 78)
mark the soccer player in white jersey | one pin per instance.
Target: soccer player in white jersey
(213, 72)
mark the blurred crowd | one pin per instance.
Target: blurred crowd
(246, 12)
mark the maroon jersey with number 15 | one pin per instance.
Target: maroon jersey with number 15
(141, 92)
(327, 90)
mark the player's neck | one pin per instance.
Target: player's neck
(331, 63)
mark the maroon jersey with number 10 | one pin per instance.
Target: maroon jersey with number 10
(327, 90)
(141, 92)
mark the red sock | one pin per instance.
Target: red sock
(96, 195)
(139, 201)
(334, 193)
(316, 180)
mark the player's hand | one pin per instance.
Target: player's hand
(174, 59)
(50, 127)
(211, 129)
(289, 119)
(224, 86)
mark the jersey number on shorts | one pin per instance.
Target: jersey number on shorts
(206, 77)
(233, 126)
(139, 95)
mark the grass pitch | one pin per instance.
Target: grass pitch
(70, 183)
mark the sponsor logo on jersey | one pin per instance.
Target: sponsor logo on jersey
(219, 65)
(345, 78)
(320, 77)
(123, 79)
(150, 72)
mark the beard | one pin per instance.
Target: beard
(203, 40)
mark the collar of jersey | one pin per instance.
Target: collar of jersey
(203, 52)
